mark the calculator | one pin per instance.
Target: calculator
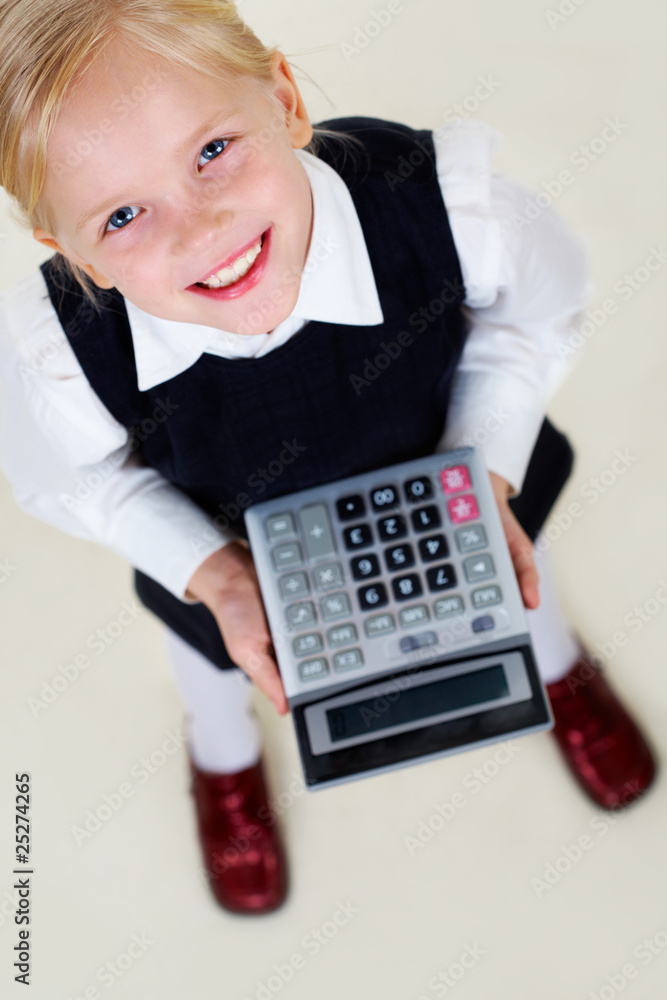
(396, 617)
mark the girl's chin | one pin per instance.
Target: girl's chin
(239, 321)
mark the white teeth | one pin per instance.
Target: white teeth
(239, 267)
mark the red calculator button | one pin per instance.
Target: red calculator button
(463, 509)
(455, 479)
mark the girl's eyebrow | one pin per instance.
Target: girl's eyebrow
(199, 133)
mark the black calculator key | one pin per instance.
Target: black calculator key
(392, 527)
(365, 566)
(373, 596)
(426, 518)
(406, 587)
(399, 557)
(384, 498)
(351, 507)
(358, 537)
(441, 577)
(432, 548)
(418, 490)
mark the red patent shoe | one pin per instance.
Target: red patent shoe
(600, 741)
(243, 853)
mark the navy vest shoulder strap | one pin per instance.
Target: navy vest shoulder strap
(392, 150)
(95, 335)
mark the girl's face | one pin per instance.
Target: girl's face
(158, 181)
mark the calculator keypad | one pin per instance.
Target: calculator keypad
(419, 539)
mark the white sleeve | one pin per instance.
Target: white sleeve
(71, 464)
(527, 279)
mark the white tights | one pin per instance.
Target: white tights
(222, 728)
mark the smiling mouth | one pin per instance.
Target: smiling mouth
(238, 268)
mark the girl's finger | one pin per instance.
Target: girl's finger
(528, 578)
(262, 670)
(523, 559)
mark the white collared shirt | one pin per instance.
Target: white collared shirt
(527, 280)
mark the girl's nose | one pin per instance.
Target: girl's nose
(199, 224)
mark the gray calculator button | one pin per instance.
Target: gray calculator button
(410, 642)
(317, 533)
(446, 606)
(472, 538)
(479, 567)
(278, 526)
(414, 615)
(300, 615)
(379, 624)
(483, 623)
(328, 576)
(347, 660)
(486, 595)
(309, 643)
(341, 635)
(294, 585)
(335, 605)
(287, 556)
(311, 669)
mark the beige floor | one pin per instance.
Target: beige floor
(470, 889)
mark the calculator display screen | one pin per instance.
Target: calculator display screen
(418, 702)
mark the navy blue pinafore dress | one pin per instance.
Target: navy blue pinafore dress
(316, 394)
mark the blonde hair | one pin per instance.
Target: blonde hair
(44, 44)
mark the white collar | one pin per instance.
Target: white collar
(337, 286)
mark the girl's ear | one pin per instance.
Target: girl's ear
(287, 93)
(43, 237)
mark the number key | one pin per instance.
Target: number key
(406, 587)
(365, 566)
(399, 557)
(426, 518)
(418, 490)
(358, 537)
(384, 497)
(373, 596)
(392, 527)
(432, 548)
(441, 577)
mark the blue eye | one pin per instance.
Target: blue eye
(213, 149)
(121, 217)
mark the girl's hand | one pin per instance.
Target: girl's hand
(227, 584)
(520, 545)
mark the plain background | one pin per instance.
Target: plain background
(472, 886)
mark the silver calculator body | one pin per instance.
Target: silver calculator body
(396, 617)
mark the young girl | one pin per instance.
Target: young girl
(204, 337)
